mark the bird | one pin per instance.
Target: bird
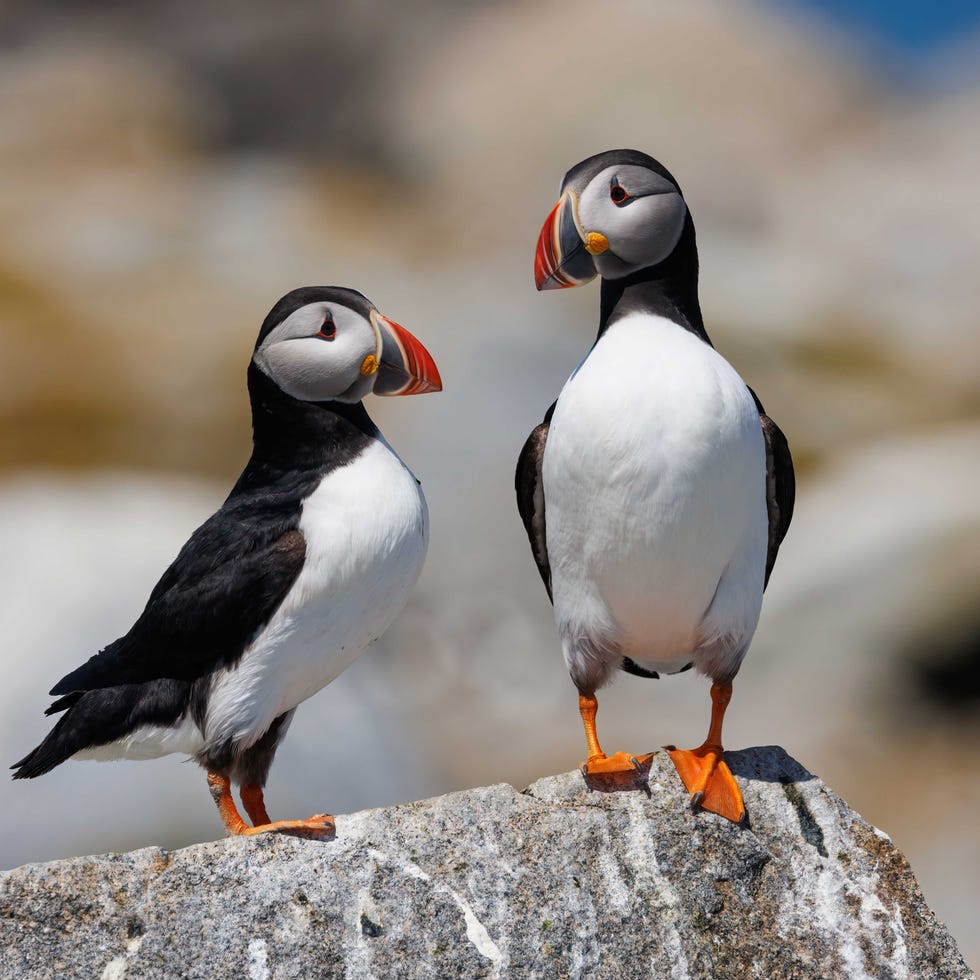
(307, 562)
(656, 492)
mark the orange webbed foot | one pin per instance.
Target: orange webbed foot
(609, 765)
(709, 780)
(320, 826)
(619, 771)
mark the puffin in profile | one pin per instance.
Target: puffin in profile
(308, 561)
(657, 491)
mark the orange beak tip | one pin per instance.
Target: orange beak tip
(406, 367)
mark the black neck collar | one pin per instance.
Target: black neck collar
(668, 289)
(297, 434)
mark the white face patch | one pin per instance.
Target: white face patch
(312, 367)
(643, 229)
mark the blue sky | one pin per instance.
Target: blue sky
(914, 27)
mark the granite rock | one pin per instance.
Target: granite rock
(561, 880)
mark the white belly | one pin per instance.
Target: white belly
(366, 532)
(654, 482)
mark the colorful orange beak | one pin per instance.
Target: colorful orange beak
(405, 366)
(561, 260)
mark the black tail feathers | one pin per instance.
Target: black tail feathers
(102, 716)
(55, 748)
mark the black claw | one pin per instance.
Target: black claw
(636, 763)
(696, 799)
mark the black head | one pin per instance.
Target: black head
(619, 212)
(327, 343)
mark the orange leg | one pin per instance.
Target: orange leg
(254, 802)
(704, 771)
(598, 763)
(320, 826)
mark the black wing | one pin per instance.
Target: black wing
(530, 495)
(222, 588)
(780, 484)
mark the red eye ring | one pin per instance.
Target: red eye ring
(618, 194)
(328, 330)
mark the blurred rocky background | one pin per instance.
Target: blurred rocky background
(167, 171)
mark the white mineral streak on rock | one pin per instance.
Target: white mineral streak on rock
(642, 848)
(675, 953)
(831, 896)
(495, 890)
(258, 960)
(475, 930)
(835, 899)
(579, 905)
(816, 881)
(357, 945)
(478, 935)
(116, 968)
(875, 911)
(619, 896)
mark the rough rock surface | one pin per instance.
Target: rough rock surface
(557, 881)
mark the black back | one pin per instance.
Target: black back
(237, 567)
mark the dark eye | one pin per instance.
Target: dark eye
(328, 330)
(618, 194)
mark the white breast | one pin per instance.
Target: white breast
(654, 482)
(366, 533)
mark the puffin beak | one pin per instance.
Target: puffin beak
(561, 259)
(405, 367)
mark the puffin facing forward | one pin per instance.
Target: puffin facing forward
(307, 562)
(657, 491)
